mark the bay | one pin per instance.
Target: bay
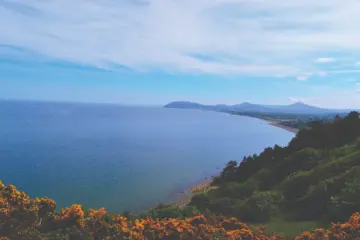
(120, 157)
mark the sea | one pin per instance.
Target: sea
(123, 158)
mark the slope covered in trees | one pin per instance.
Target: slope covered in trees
(316, 177)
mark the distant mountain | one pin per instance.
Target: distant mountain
(249, 107)
(189, 105)
(295, 108)
(303, 108)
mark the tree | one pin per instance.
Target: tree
(337, 118)
(260, 206)
(237, 190)
(229, 170)
(358, 142)
(346, 202)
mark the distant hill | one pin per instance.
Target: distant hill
(295, 108)
(190, 105)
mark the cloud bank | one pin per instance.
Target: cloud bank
(251, 37)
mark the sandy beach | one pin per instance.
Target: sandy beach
(275, 124)
(290, 129)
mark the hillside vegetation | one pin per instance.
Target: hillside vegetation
(23, 218)
(315, 178)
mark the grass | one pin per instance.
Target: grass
(289, 228)
(204, 190)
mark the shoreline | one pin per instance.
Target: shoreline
(188, 193)
(279, 125)
(204, 184)
(272, 123)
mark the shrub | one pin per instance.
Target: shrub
(296, 185)
(346, 202)
(260, 206)
(237, 190)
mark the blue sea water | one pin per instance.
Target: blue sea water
(120, 157)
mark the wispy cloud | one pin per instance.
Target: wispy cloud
(267, 38)
(329, 97)
(302, 78)
(308, 100)
(325, 60)
(295, 100)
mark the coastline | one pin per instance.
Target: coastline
(273, 123)
(279, 125)
(186, 195)
(206, 183)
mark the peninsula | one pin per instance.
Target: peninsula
(290, 117)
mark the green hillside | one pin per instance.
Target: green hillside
(315, 178)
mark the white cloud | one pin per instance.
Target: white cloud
(343, 71)
(306, 100)
(295, 100)
(270, 38)
(330, 97)
(339, 101)
(324, 60)
(302, 78)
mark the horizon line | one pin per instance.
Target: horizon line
(156, 105)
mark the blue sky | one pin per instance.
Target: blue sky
(157, 51)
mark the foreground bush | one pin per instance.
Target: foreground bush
(25, 218)
(341, 231)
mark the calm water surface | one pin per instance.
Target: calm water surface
(122, 158)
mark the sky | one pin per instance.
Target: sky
(151, 52)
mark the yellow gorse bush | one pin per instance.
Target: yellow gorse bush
(19, 213)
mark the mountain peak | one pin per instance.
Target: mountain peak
(246, 103)
(301, 105)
